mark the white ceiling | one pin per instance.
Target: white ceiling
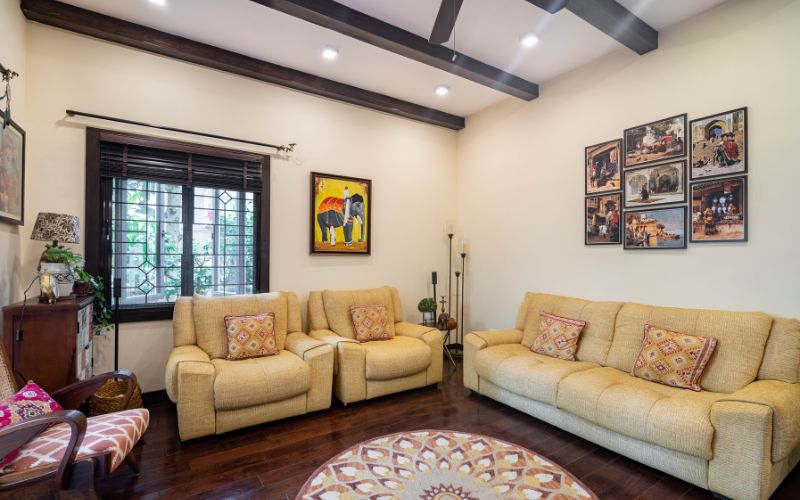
(487, 30)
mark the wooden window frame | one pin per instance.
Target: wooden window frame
(98, 208)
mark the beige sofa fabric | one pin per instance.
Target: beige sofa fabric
(741, 339)
(214, 395)
(413, 358)
(739, 437)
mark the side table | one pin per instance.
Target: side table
(445, 340)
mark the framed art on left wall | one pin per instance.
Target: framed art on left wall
(341, 214)
(12, 173)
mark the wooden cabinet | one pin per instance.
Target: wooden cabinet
(55, 348)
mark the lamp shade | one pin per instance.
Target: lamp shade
(57, 227)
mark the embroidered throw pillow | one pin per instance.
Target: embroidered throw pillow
(251, 336)
(30, 401)
(558, 337)
(673, 358)
(371, 323)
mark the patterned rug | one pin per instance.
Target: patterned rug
(440, 465)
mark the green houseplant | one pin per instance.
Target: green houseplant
(427, 307)
(61, 263)
(94, 286)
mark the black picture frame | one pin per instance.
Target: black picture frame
(628, 173)
(694, 154)
(682, 240)
(599, 148)
(629, 134)
(590, 231)
(319, 247)
(698, 209)
(14, 127)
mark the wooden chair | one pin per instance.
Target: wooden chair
(104, 441)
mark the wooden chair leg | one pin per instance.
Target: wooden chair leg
(132, 463)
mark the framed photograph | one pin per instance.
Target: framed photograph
(655, 142)
(719, 210)
(655, 185)
(719, 144)
(341, 214)
(12, 173)
(655, 229)
(602, 167)
(603, 219)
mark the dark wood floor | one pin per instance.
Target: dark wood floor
(272, 461)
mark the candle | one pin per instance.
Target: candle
(433, 278)
(448, 228)
(463, 246)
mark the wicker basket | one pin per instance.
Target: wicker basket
(109, 396)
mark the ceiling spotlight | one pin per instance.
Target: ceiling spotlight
(442, 90)
(160, 3)
(528, 40)
(330, 53)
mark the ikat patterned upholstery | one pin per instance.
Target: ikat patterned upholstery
(371, 323)
(114, 434)
(251, 336)
(30, 401)
(558, 337)
(673, 358)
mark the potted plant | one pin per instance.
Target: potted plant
(60, 262)
(427, 307)
(86, 284)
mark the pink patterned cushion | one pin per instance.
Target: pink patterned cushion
(371, 323)
(114, 434)
(30, 401)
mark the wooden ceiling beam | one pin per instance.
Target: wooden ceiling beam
(115, 30)
(342, 19)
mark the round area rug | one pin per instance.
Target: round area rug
(440, 465)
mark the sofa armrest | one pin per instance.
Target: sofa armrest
(330, 338)
(195, 399)
(318, 356)
(177, 356)
(475, 341)
(406, 329)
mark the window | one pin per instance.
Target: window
(172, 219)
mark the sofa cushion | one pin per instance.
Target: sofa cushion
(677, 419)
(398, 357)
(337, 306)
(515, 368)
(741, 338)
(209, 318)
(251, 336)
(782, 352)
(599, 316)
(558, 337)
(371, 323)
(249, 382)
(673, 358)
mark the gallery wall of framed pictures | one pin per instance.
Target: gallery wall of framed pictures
(644, 194)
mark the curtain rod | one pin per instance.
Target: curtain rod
(287, 148)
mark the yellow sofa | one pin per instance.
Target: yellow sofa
(739, 437)
(214, 395)
(413, 358)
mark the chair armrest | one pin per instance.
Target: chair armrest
(195, 399)
(178, 355)
(497, 337)
(476, 341)
(407, 329)
(330, 337)
(319, 357)
(73, 395)
(300, 344)
(16, 435)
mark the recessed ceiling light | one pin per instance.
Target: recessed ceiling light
(330, 53)
(528, 40)
(442, 90)
(160, 3)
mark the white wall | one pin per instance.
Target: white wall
(12, 55)
(412, 166)
(521, 194)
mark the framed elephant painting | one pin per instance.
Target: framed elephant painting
(341, 214)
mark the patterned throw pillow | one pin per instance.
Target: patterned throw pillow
(371, 323)
(673, 358)
(30, 401)
(558, 337)
(251, 336)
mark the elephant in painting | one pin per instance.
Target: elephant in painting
(339, 212)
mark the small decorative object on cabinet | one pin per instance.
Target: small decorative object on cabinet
(57, 259)
(49, 343)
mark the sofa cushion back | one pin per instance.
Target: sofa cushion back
(316, 312)
(782, 353)
(336, 304)
(183, 323)
(741, 339)
(209, 317)
(595, 339)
